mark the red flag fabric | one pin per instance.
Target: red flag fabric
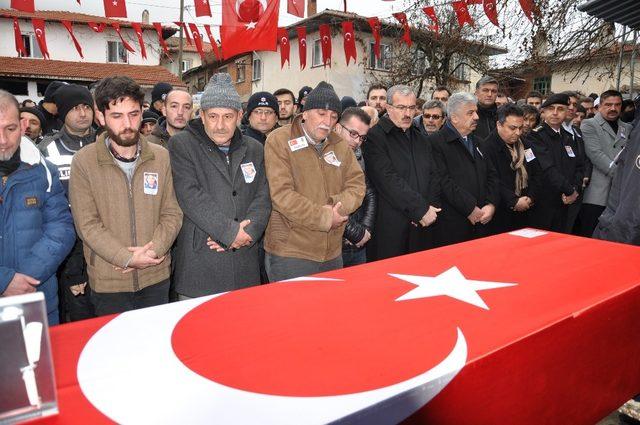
(285, 47)
(325, 43)
(302, 46)
(374, 23)
(491, 11)
(462, 13)
(23, 5)
(213, 42)
(116, 26)
(203, 8)
(431, 13)
(349, 42)
(20, 49)
(473, 2)
(97, 27)
(406, 35)
(115, 8)
(185, 31)
(296, 8)
(41, 37)
(528, 8)
(69, 26)
(197, 39)
(249, 25)
(138, 29)
(163, 43)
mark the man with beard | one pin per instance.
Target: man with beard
(261, 116)
(75, 109)
(177, 108)
(377, 97)
(34, 119)
(127, 227)
(286, 106)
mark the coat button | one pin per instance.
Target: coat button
(234, 193)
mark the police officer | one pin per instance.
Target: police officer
(562, 170)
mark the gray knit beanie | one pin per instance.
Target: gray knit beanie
(323, 97)
(220, 93)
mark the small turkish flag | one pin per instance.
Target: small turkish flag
(138, 30)
(97, 27)
(490, 9)
(249, 25)
(185, 32)
(462, 13)
(69, 26)
(197, 38)
(115, 9)
(302, 46)
(116, 27)
(325, 44)
(296, 8)
(213, 42)
(406, 35)
(23, 5)
(165, 48)
(203, 8)
(349, 42)
(41, 38)
(431, 13)
(20, 49)
(285, 47)
(528, 7)
(374, 23)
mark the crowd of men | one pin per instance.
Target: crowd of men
(171, 202)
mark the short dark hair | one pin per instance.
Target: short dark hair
(581, 108)
(355, 112)
(531, 110)
(534, 94)
(610, 93)
(585, 99)
(509, 110)
(112, 89)
(441, 88)
(280, 92)
(487, 79)
(376, 87)
(571, 93)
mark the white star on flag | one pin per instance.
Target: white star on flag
(115, 2)
(251, 25)
(450, 283)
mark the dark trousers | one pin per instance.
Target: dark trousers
(78, 307)
(352, 256)
(588, 219)
(284, 268)
(119, 302)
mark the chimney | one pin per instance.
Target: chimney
(312, 7)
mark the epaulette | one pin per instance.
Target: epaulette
(538, 128)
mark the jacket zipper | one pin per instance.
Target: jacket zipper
(132, 214)
(326, 190)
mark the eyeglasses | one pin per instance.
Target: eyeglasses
(429, 116)
(266, 113)
(404, 108)
(354, 134)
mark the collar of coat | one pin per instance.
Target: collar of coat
(196, 127)
(297, 131)
(31, 155)
(105, 157)
(451, 133)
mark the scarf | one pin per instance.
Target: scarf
(11, 165)
(517, 164)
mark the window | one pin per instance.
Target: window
(542, 84)
(187, 65)
(459, 68)
(419, 62)
(382, 64)
(201, 83)
(116, 52)
(242, 72)
(17, 88)
(256, 69)
(31, 46)
(223, 70)
(316, 54)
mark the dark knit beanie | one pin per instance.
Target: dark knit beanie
(159, 91)
(36, 112)
(149, 116)
(262, 99)
(348, 102)
(51, 90)
(71, 95)
(304, 92)
(323, 97)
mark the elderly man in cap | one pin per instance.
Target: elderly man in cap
(222, 188)
(34, 119)
(261, 116)
(562, 169)
(315, 183)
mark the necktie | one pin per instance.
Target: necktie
(468, 144)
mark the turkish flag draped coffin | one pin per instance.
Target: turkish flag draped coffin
(248, 25)
(473, 333)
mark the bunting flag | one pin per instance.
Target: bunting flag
(374, 23)
(197, 39)
(23, 5)
(302, 46)
(115, 8)
(69, 26)
(138, 30)
(203, 8)
(490, 9)
(116, 27)
(406, 34)
(249, 25)
(185, 31)
(296, 8)
(528, 8)
(349, 42)
(325, 44)
(41, 36)
(285, 47)
(462, 13)
(165, 48)
(20, 49)
(213, 42)
(97, 27)
(431, 14)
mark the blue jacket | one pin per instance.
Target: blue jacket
(36, 228)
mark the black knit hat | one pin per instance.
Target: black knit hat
(304, 92)
(51, 90)
(262, 99)
(71, 95)
(556, 99)
(323, 97)
(36, 112)
(348, 102)
(159, 91)
(149, 116)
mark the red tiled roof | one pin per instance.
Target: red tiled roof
(84, 71)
